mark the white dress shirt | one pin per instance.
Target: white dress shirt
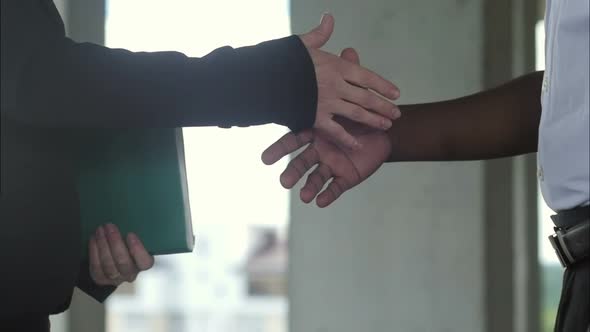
(564, 132)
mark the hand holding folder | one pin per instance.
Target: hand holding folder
(113, 260)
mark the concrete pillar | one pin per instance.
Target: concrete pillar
(417, 247)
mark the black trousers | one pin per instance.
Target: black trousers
(574, 306)
(28, 323)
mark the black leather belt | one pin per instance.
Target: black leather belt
(571, 240)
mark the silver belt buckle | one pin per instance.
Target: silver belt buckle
(563, 254)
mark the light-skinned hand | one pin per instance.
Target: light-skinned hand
(347, 90)
(114, 261)
(343, 168)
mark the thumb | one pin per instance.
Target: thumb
(350, 55)
(319, 36)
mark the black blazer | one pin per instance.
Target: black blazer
(52, 86)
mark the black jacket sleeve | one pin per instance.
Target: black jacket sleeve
(56, 82)
(87, 285)
(50, 81)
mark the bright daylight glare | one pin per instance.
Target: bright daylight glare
(235, 278)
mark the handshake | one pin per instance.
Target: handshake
(349, 141)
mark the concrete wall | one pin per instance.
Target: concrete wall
(409, 250)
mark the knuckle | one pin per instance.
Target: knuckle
(305, 136)
(121, 260)
(112, 277)
(125, 266)
(343, 137)
(294, 165)
(376, 102)
(364, 76)
(367, 99)
(323, 178)
(110, 269)
(305, 163)
(316, 180)
(389, 108)
(375, 122)
(357, 113)
(371, 78)
(104, 254)
(352, 72)
(329, 77)
(299, 165)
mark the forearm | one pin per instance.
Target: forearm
(50, 81)
(500, 122)
(84, 85)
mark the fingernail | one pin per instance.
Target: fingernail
(357, 145)
(100, 232)
(111, 228)
(397, 113)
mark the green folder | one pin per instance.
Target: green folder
(135, 179)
